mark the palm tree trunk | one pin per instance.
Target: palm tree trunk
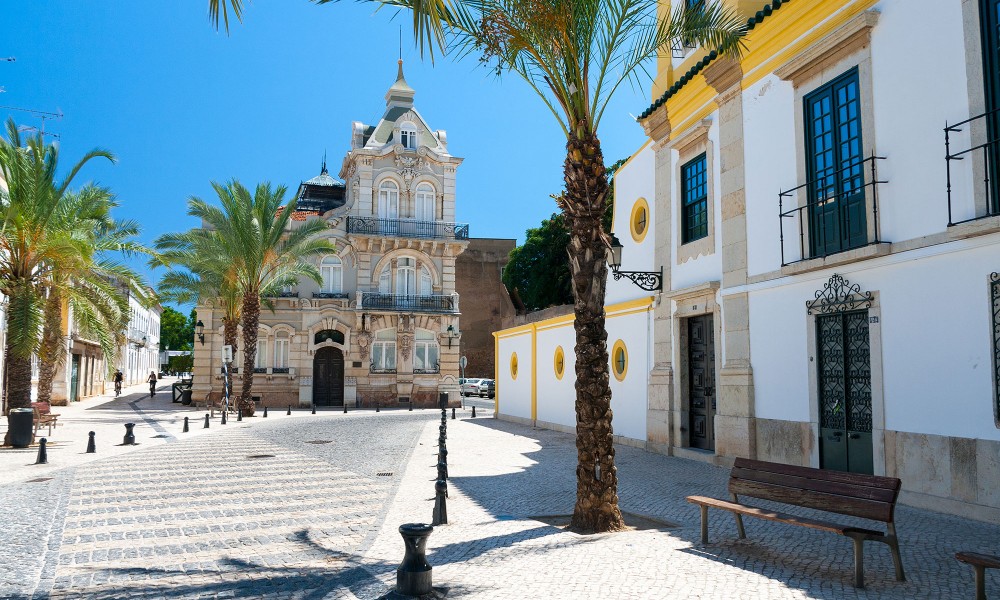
(48, 353)
(596, 508)
(230, 337)
(251, 317)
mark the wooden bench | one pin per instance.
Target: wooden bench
(44, 417)
(979, 562)
(866, 496)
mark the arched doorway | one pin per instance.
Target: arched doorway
(328, 377)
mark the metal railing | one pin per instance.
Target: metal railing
(991, 163)
(431, 303)
(373, 369)
(813, 215)
(409, 228)
(279, 370)
(340, 295)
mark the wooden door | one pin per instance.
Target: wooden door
(845, 392)
(328, 377)
(989, 21)
(701, 382)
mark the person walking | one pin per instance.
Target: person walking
(152, 383)
(118, 382)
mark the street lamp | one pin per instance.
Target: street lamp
(452, 334)
(199, 329)
(647, 280)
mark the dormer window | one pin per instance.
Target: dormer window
(408, 136)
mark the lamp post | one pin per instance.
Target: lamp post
(648, 280)
(199, 329)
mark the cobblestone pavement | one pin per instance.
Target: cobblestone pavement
(296, 508)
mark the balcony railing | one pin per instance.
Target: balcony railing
(988, 153)
(340, 295)
(839, 221)
(408, 228)
(374, 369)
(447, 303)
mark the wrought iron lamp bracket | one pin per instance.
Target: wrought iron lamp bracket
(651, 281)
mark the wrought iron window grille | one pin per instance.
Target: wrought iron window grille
(260, 370)
(338, 295)
(839, 295)
(991, 160)
(279, 370)
(807, 212)
(428, 371)
(374, 369)
(409, 228)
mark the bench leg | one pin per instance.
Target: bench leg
(704, 524)
(980, 572)
(859, 562)
(739, 520)
(893, 542)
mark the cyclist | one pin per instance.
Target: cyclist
(118, 382)
(152, 383)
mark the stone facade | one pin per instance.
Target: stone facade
(485, 303)
(383, 326)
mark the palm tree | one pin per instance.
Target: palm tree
(574, 54)
(251, 233)
(33, 243)
(91, 283)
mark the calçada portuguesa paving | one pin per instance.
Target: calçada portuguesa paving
(308, 506)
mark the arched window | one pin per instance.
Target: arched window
(408, 136)
(281, 352)
(406, 277)
(260, 361)
(385, 281)
(424, 210)
(384, 351)
(425, 354)
(426, 282)
(388, 200)
(331, 269)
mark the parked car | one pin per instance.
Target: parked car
(487, 388)
(470, 387)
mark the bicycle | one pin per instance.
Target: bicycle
(118, 389)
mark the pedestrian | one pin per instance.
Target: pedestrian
(152, 383)
(119, 378)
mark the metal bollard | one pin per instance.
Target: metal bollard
(43, 456)
(265, 412)
(442, 467)
(413, 577)
(206, 422)
(187, 426)
(440, 502)
(91, 444)
(473, 411)
(289, 410)
(452, 413)
(314, 409)
(345, 407)
(239, 414)
(377, 406)
(443, 431)
(224, 417)
(411, 405)
(129, 436)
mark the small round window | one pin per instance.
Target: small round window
(559, 362)
(513, 365)
(619, 360)
(639, 220)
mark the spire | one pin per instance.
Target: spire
(322, 170)
(400, 94)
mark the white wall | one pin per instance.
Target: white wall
(633, 181)
(556, 398)
(628, 397)
(514, 395)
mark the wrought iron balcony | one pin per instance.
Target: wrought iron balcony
(340, 295)
(374, 369)
(985, 158)
(279, 370)
(840, 214)
(428, 371)
(446, 303)
(408, 228)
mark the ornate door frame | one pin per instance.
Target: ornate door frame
(839, 295)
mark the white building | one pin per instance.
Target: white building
(830, 290)
(141, 353)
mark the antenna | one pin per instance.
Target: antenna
(41, 114)
(400, 42)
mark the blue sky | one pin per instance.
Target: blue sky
(182, 105)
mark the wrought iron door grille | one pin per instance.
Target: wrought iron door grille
(995, 297)
(845, 382)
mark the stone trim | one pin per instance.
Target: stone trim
(694, 301)
(692, 143)
(840, 43)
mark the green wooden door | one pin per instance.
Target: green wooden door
(989, 12)
(845, 392)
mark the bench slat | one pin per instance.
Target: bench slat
(975, 558)
(861, 479)
(857, 507)
(817, 485)
(781, 517)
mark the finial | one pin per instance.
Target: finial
(399, 72)
(323, 170)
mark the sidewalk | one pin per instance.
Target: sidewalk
(157, 420)
(503, 474)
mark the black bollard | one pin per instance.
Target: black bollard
(289, 410)
(452, 413)
(43, 456)
(206, 422)
(377, 406)
(440, 502)
(314, 409)
(224, 417)
(91, 444)
(129, 436)
(411, 405)
(187, 426)
(443, 430)
(473, 411)
(265, 412)
(345, 408)
(442, 469)
(239, 414)
(413, 577)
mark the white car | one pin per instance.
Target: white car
(470, 387)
